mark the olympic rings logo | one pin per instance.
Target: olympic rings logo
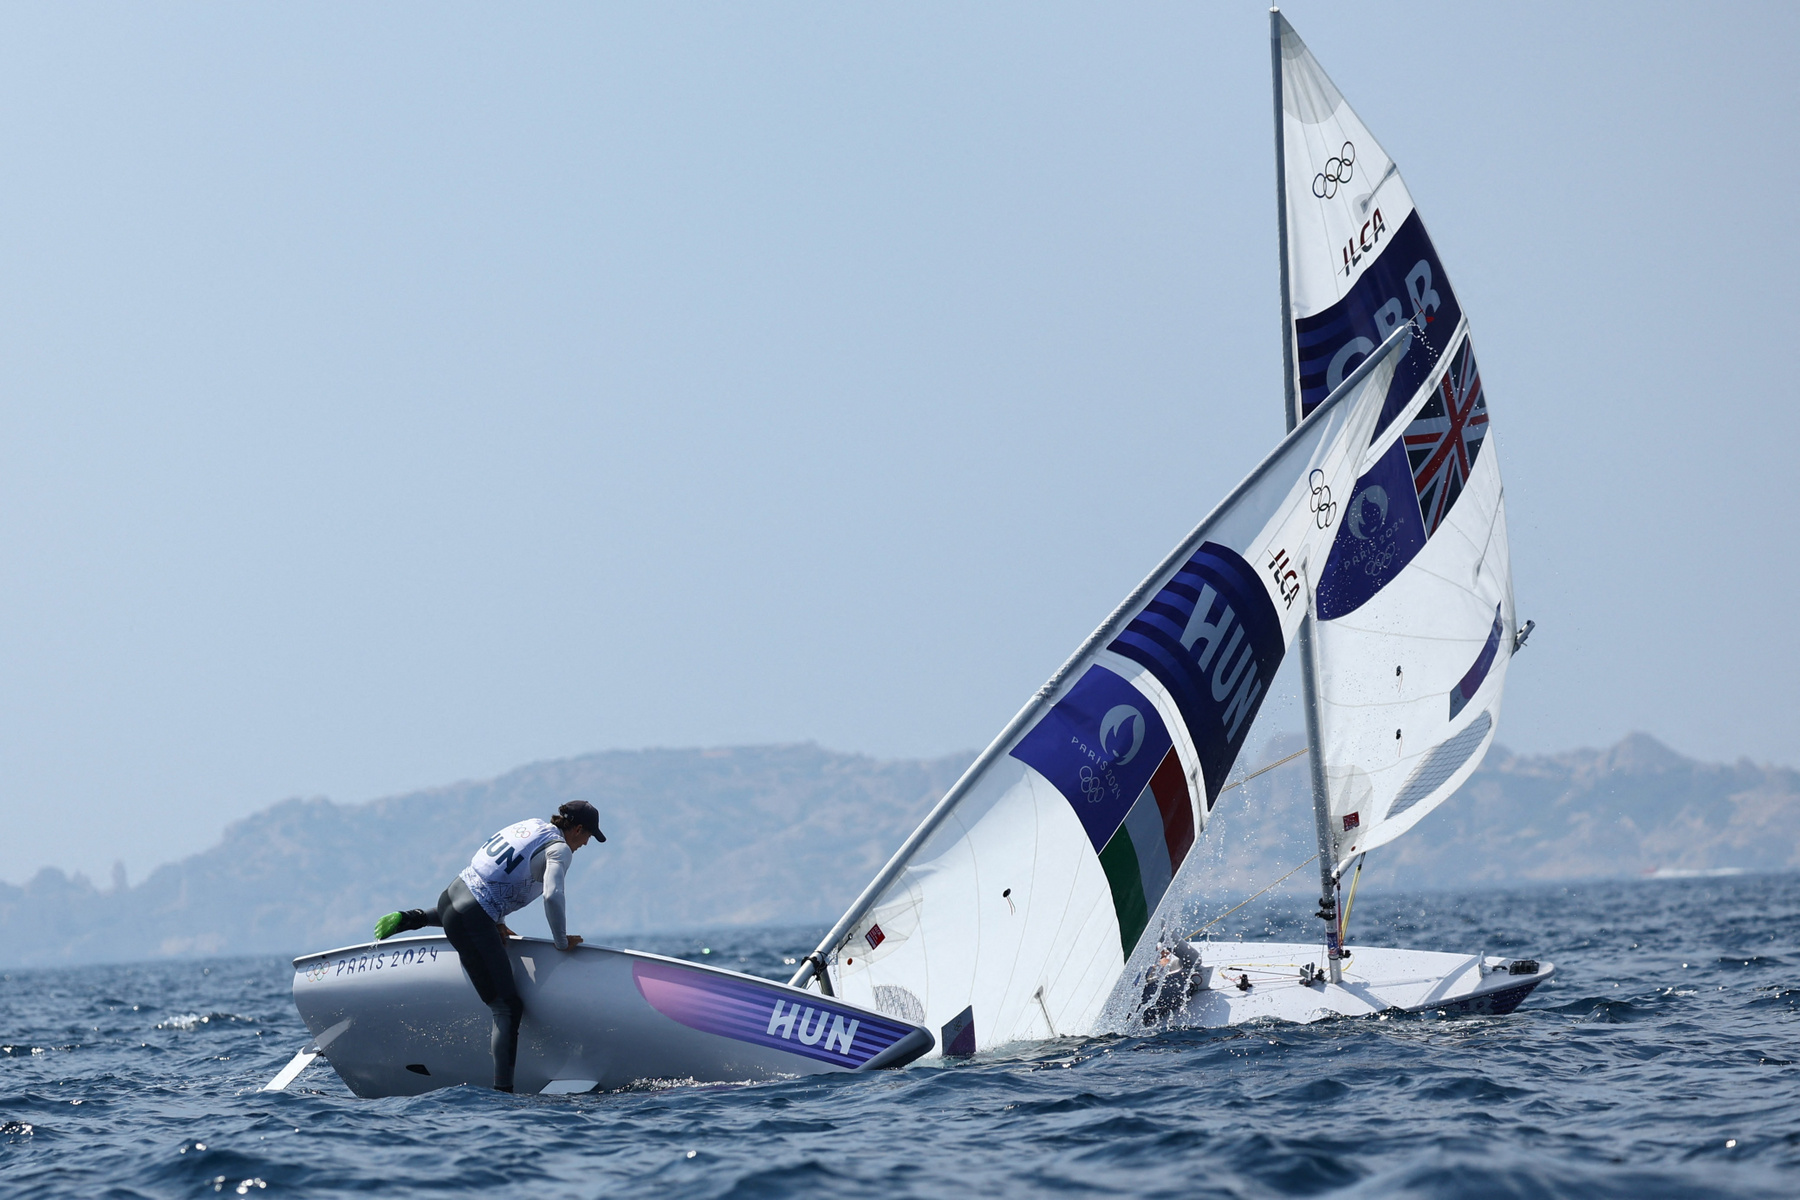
(1337, 170)
(1324, 508)
(1091, 785)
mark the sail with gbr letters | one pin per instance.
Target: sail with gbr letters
(1011, 911)
(1415, 620)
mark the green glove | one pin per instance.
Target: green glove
(388, 926)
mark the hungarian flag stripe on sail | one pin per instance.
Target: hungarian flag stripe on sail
(1141, 858)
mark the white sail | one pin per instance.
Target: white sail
(1415, 621)
(1010, 913)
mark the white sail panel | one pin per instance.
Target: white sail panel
(1019, 900)
(1359, 261)
(1415, 621)
(1344, 194)
(1409, 682)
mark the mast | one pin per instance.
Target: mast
(1290, 409)
(1334, 950)
(1309, 677)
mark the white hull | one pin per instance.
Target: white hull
(399, 1018)
(1285, 984)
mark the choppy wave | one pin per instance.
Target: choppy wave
(192, 1021)
(1660, 1062)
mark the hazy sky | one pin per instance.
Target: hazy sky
(396, 394)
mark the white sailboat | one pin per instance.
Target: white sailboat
(399, 1018)
(1405, 654)
(1024, 906)
(1017, 907)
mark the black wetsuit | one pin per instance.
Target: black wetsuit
(482, 950)
(476, 936)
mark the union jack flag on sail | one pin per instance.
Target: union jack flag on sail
(1444, 440)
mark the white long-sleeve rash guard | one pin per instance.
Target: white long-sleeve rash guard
(550, 866)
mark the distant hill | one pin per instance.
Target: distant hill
(749, 835)
(1631, 810)
(694, 838)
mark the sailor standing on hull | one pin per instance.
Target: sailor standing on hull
(515, 867)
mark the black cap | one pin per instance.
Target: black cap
(580, 812)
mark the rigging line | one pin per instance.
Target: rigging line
(1246, 900)
(1344, 623)
(1264, 771)
(1344, 923)
(1487, 543)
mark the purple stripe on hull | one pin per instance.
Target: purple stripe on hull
(765, 1015)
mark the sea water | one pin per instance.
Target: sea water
(1663, 1060)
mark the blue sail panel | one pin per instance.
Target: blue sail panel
(1405, 283)
(1212, 637)
(1099, 746)
(1381, 533)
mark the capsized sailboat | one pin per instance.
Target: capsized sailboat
(1026, 905)
(399, 1018)
(1143, 745)
(1016, 909)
